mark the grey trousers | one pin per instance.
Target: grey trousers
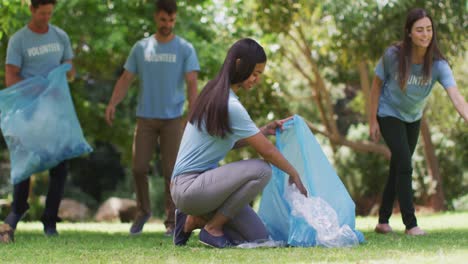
(227, 190)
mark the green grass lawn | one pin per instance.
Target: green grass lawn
(447, 242)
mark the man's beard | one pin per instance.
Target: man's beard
(165, 31)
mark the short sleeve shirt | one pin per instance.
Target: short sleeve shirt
(199, 151)
(37, 54)
(408, 105)
(161, 68)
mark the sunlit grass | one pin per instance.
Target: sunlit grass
(447, 242)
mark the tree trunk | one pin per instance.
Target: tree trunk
(437, 199)
(322, 98)
(365, 84)
(359, 146)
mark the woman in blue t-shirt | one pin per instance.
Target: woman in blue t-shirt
(404, 79)
(216, 199)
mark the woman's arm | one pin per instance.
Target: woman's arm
(374, 130)
(266, 130)
(269, 152)
(458, 101)
(240, 144)
(270, 128)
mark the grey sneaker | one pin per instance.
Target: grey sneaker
(138, 224)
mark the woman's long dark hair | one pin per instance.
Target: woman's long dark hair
(405, 49)
(211, 106)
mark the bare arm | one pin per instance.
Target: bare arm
(374, 129)
(191, 81)
(71, 73)
(267, 130)
(12, 75)
(120, 90)
(458, 101)
(240, 144)
(269, 152)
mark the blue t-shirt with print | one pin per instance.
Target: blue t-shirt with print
(37, 54)
(161, 68)
(199, 151)
(408, 105)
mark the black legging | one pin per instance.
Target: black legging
(57, 177)
(401, 137)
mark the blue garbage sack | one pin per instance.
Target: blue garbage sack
(327, 216)
(39, 124)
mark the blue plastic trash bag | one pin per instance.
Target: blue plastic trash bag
(39, 124)
(326, 217)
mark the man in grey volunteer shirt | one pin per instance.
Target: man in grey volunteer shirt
(164, 62)
(35, 50)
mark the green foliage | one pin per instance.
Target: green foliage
(157, 196)
(98, 173)
(366, 33)
(450, 133)
(277, 15)
(452, 154)
(12, 15)
(358, 104)
(364, 174)
(461, 204)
